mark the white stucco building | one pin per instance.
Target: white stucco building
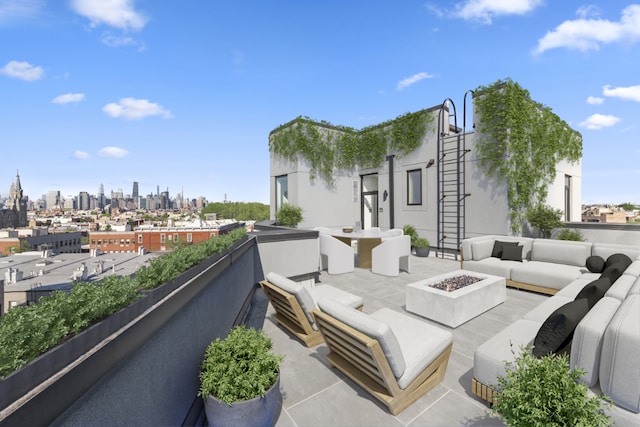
(445, 199)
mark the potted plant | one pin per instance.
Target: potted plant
(421, 246)
(410, 230)
(545, 392)
(240, 379)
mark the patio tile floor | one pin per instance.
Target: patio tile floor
(314, 394)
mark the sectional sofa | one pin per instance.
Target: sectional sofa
(605, 339)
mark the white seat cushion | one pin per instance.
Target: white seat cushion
(542, 311)
(371, 327)
(490, 357)
(547, 274)
(343, 297)
(420, 342)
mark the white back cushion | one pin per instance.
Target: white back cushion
(370, 327)
(300, 292)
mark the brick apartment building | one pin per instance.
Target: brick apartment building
(153, 239)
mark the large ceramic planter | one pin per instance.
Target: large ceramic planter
(256, 412)
(422, 251)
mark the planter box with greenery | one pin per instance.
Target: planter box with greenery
(38, 340)
(421, 246)
(239, 379)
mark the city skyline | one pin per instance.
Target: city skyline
(187, 93)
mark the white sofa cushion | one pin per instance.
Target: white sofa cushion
(297, 289)
(635, 289)
(420, 342)
(619, 367)
(561, 252)
(633, 269)
(587, 339)
(490, 357)
(605, 250)
(542, 311)
(370, 326)
(481, 249)
(621, 287)
(336, 294)
(546, 274)
(574, 288)
(491, 265)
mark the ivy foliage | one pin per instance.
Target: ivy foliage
(520, 141)
(329, 149)
(239, 367)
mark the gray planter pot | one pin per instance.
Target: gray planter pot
(422, 251)
(256, 412)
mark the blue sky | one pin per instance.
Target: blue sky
(183, 94)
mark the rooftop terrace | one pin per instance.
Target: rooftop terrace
(314, 394)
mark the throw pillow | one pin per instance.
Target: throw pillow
(498, 245)
(619, 259)
(511, 253)
(595, 264)
(613, 272)
(557, 331)
(594, 291)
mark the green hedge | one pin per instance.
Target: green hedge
(28, 331)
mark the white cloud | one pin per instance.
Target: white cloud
(588, 10)
(599, 121)
(81, 155)
(67, 98)
(118, 41)
(114, 13)
(113, 152)
(485, 10)
(135, 109)
(11, 10)
(413, 80)
(632, 92)
(22, 70)
(588, 34)
(594, 100)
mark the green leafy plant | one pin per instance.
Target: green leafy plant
(421, 242)
(170, 265)
(545, 219)
(410, 230)
(28, 331)
(545, 392)
(239, 367)
(289, 215)
(329, 149)
(569, 234)
(521, 141)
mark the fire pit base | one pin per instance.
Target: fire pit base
(455, 307)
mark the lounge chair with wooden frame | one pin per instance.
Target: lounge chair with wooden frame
(393, 356)
(293, 303)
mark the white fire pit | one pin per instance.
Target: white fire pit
(459, 304)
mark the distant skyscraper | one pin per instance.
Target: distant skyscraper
(102, 200)
(83, 201)
(134, 193)
(53, 199)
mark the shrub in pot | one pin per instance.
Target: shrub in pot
(240, 379)
(410, 230)
(546, 392)
(421, 246)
